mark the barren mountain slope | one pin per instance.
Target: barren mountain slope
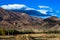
(17, 20)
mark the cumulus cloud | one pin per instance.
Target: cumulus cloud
(43, 6)
(13, 6)
(43, 11)
(16, 6)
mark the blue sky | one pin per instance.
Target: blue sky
(54, 5)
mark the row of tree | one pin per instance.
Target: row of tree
(14, 32)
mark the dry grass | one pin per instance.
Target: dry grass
(39, 36)
(33, 37)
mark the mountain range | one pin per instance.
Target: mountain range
(21, 20)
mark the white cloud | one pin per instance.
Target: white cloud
(53, 14)
(16, 6)
(43, 11)
(29, 9)
(13, 6)
(43, 6)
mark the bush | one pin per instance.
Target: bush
(51, 31)
(2, 31)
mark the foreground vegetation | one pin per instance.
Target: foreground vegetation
(14, 32)
(29, 35)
